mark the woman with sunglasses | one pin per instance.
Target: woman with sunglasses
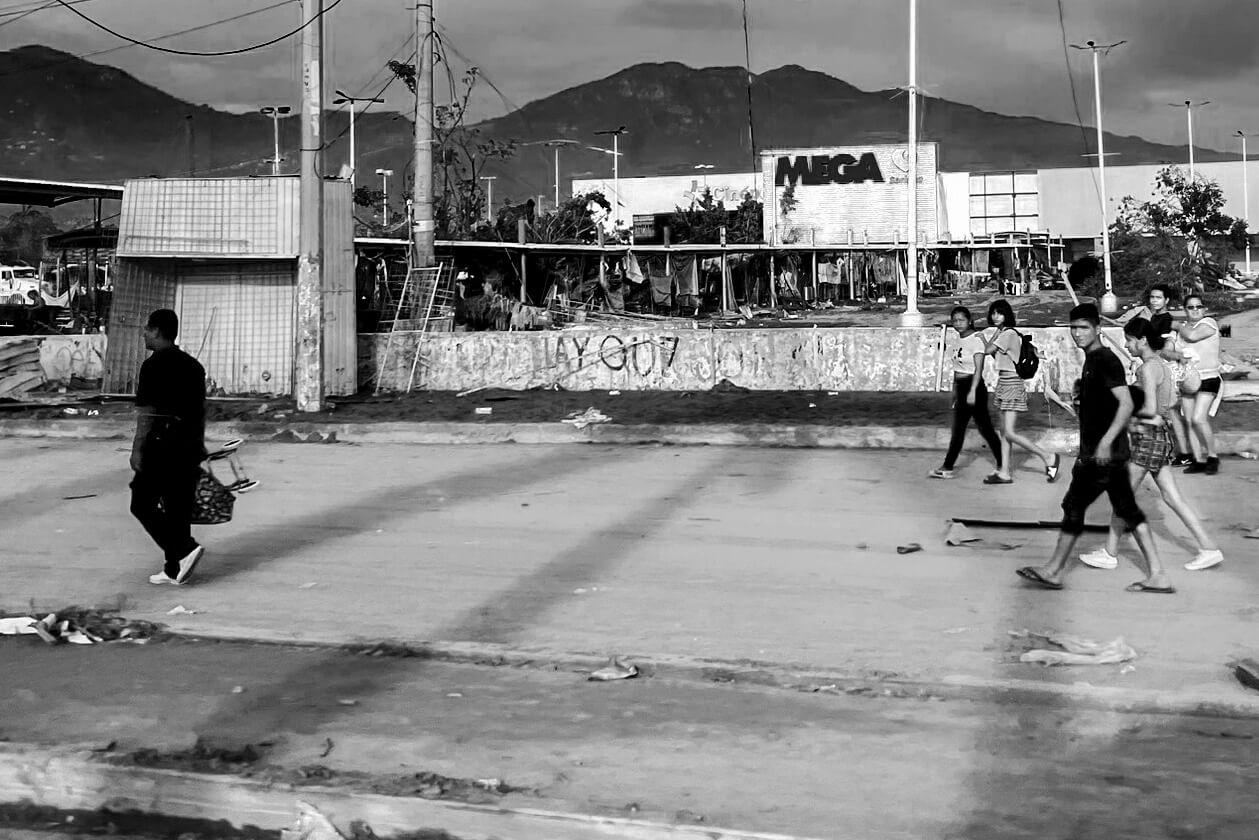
(1199, 340)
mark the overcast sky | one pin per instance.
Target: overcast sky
(1002, 55)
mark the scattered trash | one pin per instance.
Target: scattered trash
(347, 702)
(812, 405)
(70, 412)
(489, 784)
(76, 498)
(313, 584)
(180, 610)
(862, 546)
(483, 409)
(1247, 673)
(1074, 650)
(1127, 669)
(959, 534)
(1010, 546)
(614, 670)
(582, 419)
(93, 413)
(327, 748)
(311, 825)
(908, 549)
(78, 637)
(832, 393)
(953, 631)
(1249, 456)
(580, 591)
(22, 625)
(240, 689)
(614, 393)
(455, 694)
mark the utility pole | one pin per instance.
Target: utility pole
(1189, 105)
(190, 136)
(422, 230)
(1109, 304)
(616, 169)
(1245, 199)
(308, 386)
(912, 317)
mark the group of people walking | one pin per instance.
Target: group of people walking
(1126, 432)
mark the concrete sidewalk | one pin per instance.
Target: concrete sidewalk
(691, 560)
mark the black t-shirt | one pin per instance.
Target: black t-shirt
(1162, 323)
(1102, 372)
(172, 383)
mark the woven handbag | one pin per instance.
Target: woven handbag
(213, 502)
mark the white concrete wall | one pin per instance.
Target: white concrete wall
(838, 359)
(665, 193)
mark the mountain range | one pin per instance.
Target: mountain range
(71, 119)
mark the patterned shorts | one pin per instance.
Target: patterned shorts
(1011, 393)
(1151, 447)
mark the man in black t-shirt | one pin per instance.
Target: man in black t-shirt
(169, 447)
(1102, 466)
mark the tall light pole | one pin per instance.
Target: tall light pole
(555, 144)
(1245, 198)
(275, 112)
(1109, 303)
(489, 196)
(616, 166)
(1189, 105)
(912, 317)
(705, 167)
(343, 98)
(384, 194)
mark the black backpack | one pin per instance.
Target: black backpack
(1029, 359)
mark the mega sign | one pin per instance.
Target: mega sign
(816, 170)
(848, 194)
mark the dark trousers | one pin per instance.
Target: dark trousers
(1089, 480)
(162, 500)
(963, 414)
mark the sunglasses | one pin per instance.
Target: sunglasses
(1195, 307)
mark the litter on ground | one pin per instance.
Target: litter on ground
(614, 670)
(1061, 649)
(582, 419)
(80, 626)
(959, 534)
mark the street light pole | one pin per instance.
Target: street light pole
(1109, 303)
(554, 144)
(616, 166)
(384, 194)
(1189, 105)
(1245, 198)
(275, 112)
(912, 317)
(343, 98)
(489, 197)
(705, 167)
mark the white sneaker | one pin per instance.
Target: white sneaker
(940, 472)
(188, 564)
(1100, 559)
(162, 578)
(1205, 560)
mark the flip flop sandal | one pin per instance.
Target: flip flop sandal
(1051, 472)
(996, 479)
(1142, 586)
(1028, 573)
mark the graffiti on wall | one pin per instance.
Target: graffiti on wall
(641, 355)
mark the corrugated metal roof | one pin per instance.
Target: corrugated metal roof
(210, 217)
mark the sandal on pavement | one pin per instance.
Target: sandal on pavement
(996, 479)
(1029, 573)
(1051, 472)
(1142, 586)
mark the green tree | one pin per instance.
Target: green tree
(22, 236)
(703, 220)
(1177, 237)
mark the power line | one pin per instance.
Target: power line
(213, 54)
(19, 12)
(98, 53)
(1075, 100)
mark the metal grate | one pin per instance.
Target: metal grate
(425, 302)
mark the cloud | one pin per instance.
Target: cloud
(684, 14)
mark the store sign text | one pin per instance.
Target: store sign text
(818, 170)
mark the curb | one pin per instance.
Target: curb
(435, 433)
(76, 779)
(790, 676)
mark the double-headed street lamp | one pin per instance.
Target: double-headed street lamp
(1245, 198)
(705, 167)
(616, 164)
(275, 112)
(1189, 105)
(343, 98)
(555, 144)
(489, 196)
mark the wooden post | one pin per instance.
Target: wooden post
(308, 386)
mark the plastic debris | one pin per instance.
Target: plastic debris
(180, 610)
(908, 549)
(484, 409)
(1247, 673)
(959, 534)
(22, 625)
(614, 393)
(1074, 650)
(582, 419)
(311, 825)
(614, 670)
(240, 689)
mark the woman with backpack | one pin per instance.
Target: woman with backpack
(1005, 346)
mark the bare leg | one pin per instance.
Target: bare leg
(1155, 575)
(1166, 481)
(1186, 411)
(1056, 568)
(1010, 436)
(1117, 525)
(1180, 432)
(1201, 421)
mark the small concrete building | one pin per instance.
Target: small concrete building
(222, 252)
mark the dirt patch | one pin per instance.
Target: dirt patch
(121, 824)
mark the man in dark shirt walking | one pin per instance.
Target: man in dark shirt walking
(1105, 408)
(169, 447)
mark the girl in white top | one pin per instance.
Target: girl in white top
(1200, 341)
(970, 396)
